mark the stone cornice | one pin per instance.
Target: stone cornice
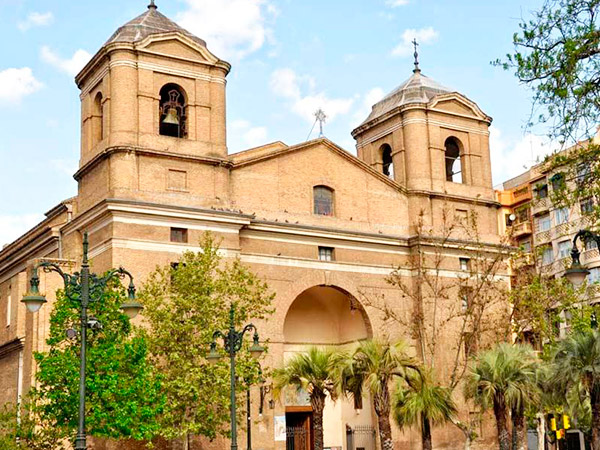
(147, 152)
(453, 197)
(11, 347)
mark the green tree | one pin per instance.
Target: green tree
(123, 391)
(576, 371)
(22, 429)
(420, 401)
(184, 304)
(317, 372)
(504, 378)
(373, 366)
(557, 54)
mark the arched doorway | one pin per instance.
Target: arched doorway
(326, 316)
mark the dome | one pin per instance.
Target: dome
(147, 24)
(417, 89)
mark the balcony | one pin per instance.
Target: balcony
(539, 206)
(522, 229)
(542, 237)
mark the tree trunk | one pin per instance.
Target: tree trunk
(468, 443)
(541, 430)
(426, 433)
(381, 404)
(595, 403)
(317, 401)
(519, 429)
(501, 415)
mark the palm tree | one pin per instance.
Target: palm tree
(317, 372)
(576, 366)
(373, 366)
(420, 401)
(505, 378)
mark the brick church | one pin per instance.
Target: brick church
(321, 226)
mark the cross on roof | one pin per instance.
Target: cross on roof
(321, 118)
(416, 55)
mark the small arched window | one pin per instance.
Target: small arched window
(97, 120)
(453, 162)
(173, 107)
(323, 200)
(386, 158)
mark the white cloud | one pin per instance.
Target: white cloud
(36, 19)
(13, 226)
(396, 3)
(423, 36)
(369, 99)
(300, 91)
(511, 157)
(247, 135)
(72, 65)
(232, 29)
(16, 84)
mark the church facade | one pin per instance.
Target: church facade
(322, 227)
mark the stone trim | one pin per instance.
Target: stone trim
(147, 152)
(11, 347)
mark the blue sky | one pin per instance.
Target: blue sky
(289, 57)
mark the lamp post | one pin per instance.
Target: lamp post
(248, 421)
(577, 273)
(88, 286)
(232, 343)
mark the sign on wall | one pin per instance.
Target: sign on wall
(279, 427)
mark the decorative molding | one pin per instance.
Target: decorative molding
(11, 347)
(181, 72)
(403, 123)
(147, 152)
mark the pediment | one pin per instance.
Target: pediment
(459, 105)
(174, 44)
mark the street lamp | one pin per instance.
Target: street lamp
(83, 283)
(577, 273)
(232, 343)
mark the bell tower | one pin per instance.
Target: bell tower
(152, 97)
(434, 143)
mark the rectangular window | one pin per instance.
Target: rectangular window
(561, 215)
(558, 181)
(586, 205)
(547, 256)
(583, 172)
(564, 249)
(523, 215)
(525, 245)
(465, 264)
(541, 191)
(594, 275)
(591, 244)
(326, 254)
(465, 294)
(543, 223)
(179, 235)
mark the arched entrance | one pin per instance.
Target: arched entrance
(326, 316)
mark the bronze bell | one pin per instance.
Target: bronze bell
(172, 117)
